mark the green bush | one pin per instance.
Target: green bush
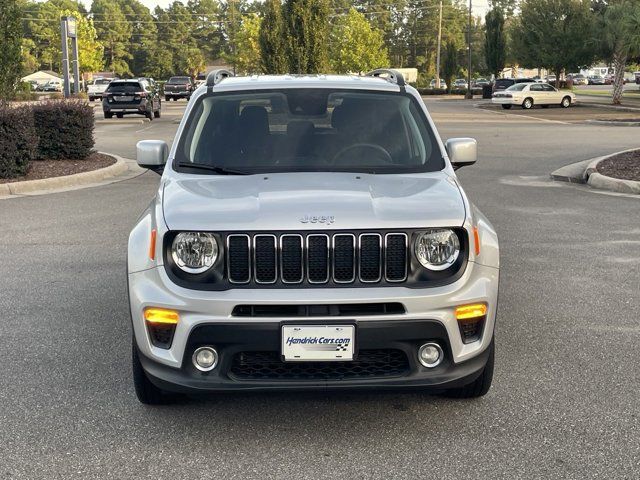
(65, 129)
(18, 141)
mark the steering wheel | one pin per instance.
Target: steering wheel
(376, 150)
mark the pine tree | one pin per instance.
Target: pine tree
(11, 41)
(307, 34)
(495, 44)
(273, 49)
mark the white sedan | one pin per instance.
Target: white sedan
(527, 95)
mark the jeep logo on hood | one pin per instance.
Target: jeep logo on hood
(326, 219)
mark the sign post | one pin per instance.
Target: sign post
(68, 31)
(71, 33)
(65, 57)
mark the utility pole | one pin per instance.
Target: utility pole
(469, 94)
(233, 32)
(439, 43)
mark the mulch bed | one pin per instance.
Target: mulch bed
(40, 169)
(625, 166)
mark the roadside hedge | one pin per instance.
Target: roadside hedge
(65, 129)
(18, 140)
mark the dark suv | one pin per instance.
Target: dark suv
(178, 87)
(138, 96)
(504, 83)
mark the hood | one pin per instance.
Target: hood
(311, 201)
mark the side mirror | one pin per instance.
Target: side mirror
(152, 154)
(462, 151)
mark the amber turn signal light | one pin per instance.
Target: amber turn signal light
(161, 315)
(152, 245)
(471, 311)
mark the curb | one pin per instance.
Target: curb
(614, 123)
(70, 182)
(586, 171)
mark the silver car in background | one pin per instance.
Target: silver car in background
(309, 232)
(528, 95)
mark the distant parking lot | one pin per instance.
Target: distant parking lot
(578, 113)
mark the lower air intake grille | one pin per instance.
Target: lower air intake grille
(269, 366)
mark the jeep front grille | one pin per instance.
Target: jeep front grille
(317, 258)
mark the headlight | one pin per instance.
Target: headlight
(437, 249)
(194, 252)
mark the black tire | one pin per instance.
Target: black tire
(481, 385)
(120, 115)
(528, 103)
(149, 115)
(566, 102)
(92, 99)
(167, 99)
(156, 114)
(506, 107)
(146, 391)
(108, 115)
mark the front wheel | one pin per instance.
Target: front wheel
(481, 385)
(108, 115)
(156, 114)
(527, 104)
(146, 391)
(167, 99)
(506, 107)
(120, 115)
(566, 102)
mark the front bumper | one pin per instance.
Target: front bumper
(429, 315)
(231, 339)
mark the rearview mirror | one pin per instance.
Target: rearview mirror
(152, 154)
(462, 151)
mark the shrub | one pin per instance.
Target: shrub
(18, 140)
(65, 129)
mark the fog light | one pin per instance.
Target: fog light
(205, 359)
(430, 355)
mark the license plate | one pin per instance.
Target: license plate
(123, 99)
(309, 343)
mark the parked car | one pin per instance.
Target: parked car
(33, 85)
(96, 89)
(460, 84)
(595, 80)
(201, 78)
(480, 82)
(578, 79)
(637, 77)
(52, 86)
(550, 79)
(528, 95)
(134, 96)
(504, 83)
(443, 85)
(178, 87)
(291, 214)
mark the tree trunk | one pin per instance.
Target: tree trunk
(619, 62)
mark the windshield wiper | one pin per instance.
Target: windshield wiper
(212, 168)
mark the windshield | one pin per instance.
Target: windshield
(309, 130)
(517, 87)
(124, 87)
(182, 80)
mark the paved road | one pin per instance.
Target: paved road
(565, 397)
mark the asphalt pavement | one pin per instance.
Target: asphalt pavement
(564, 403)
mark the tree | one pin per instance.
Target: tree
(307, 34)
(356, 46)
(620, 34)
(11, 41)
(507, 6)
(206, 29)
(553, 34)
(495, 43)
(114, 32)
(247, 57)
(450, 67)
(273, 48)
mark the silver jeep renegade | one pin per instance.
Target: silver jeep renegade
(309, 232)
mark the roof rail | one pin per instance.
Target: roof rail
(393, 75)
(216, 76)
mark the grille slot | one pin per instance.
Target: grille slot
(264, 252)
(395, 248)
(344, 258)
(318, 258)
(238, 258)
(368, 364)
(291, 258)
(370, 257)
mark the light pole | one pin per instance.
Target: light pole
(439, 44)
(469, 94)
